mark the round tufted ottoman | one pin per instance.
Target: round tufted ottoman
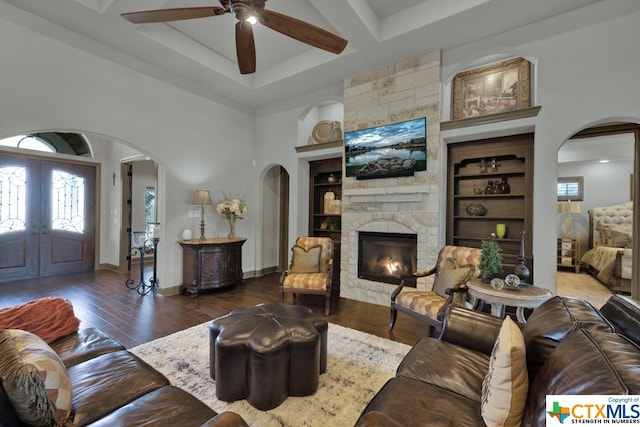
(267, 352)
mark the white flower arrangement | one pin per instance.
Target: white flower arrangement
(232, 208)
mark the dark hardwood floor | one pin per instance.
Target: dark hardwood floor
(102, 300)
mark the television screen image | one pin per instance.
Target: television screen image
(397, 149)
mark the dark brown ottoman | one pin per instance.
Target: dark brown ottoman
(267, 352)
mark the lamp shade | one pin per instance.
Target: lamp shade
(568, 208)
(202, 197)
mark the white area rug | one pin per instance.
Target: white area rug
(358, 365)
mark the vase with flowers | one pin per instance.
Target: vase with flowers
(232, 209)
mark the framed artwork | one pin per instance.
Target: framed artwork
(495, 88)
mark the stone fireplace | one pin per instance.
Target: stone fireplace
(386, 257)
(410, 205)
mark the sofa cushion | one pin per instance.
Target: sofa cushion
(305, 260)
(552, 321)
(49, 318)
(83, 345)
(169, 406)
(107, 382)
(458, 369)
(624, 314)
(34, 379)
(504, 389)
(413, 403)
(585, 362)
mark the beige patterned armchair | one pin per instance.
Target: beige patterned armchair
(311, 269)
(445, 285)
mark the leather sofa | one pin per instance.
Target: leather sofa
(113, 387)
(571, 348)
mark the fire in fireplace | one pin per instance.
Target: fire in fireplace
(386, 257)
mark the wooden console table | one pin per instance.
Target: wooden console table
(210, 263)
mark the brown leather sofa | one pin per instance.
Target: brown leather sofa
(571, 348)
(113, 387)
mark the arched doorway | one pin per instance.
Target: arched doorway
(607, 155)
(275, 217)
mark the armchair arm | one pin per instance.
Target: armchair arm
(471, 329)
(424, 273)
(458, 289)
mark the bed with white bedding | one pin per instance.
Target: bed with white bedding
(610, 246)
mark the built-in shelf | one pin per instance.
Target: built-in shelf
(513, 158)
(326, 176)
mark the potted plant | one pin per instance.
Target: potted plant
(490, 259)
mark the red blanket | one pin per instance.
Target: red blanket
(49, 318)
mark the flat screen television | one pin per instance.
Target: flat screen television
(397, 149)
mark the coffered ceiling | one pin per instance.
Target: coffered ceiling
(199, 54)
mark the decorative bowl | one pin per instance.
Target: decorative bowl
(476, 209)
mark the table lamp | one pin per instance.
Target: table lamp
(202, 198)
(568, 208)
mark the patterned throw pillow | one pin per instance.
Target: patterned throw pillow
(35, 379)
(305, 260)
(504, 389)
(452, 278)
(620, 236)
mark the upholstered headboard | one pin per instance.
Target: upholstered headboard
(614, 215)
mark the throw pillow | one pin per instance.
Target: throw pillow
(452, 278)
(620, 236)
(49, 318)
(305, 260)
(34, 379)
(504, 388)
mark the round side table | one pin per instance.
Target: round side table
(526, 296)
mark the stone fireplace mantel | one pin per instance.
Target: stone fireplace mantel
(413, 193)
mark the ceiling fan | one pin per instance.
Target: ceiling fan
(247, 12)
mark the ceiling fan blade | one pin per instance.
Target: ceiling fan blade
(177, 14)
(303, 31)
(245, 48)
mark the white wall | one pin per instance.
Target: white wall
(197, 143)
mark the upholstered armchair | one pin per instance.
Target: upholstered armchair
(310, 270)
(445, 284)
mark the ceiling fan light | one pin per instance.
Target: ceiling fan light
(251, 19)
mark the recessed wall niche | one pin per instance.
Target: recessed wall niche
(331, 111)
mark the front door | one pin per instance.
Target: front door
(47, 217)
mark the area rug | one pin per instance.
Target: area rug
(358, 365)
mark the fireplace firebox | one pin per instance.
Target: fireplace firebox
(386, 257)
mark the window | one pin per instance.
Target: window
(570, 188)
(74, 144)
(13, 200)
(150, 205)
(30, 142)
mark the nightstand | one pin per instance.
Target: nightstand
(568, 253)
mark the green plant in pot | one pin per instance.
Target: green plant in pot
(490, 260)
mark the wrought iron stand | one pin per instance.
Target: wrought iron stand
(142, 287)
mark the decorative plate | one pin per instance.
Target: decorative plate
(476, 209)
(322, 131)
